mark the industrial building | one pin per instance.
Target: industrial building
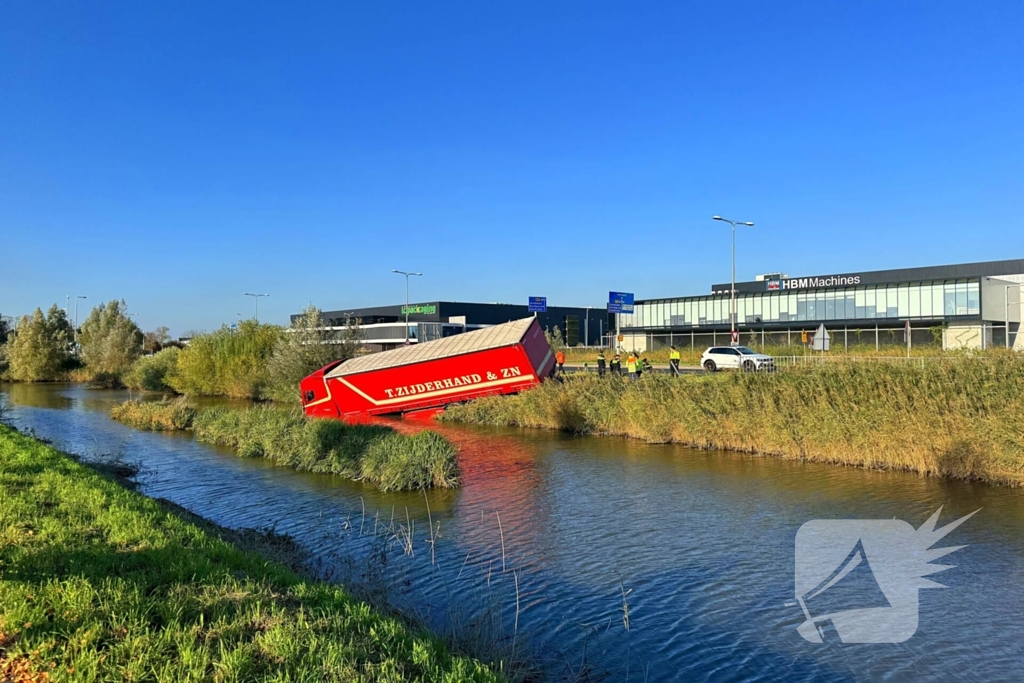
(969, 305)
(383, 327)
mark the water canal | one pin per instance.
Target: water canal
(698, 547)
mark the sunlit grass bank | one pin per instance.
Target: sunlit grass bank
(373, 453)
(962, 420)
(99, 583)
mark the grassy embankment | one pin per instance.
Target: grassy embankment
(373, 453)
(963, 419)
(99, 583)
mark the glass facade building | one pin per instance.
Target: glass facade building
(918, 301)
(923, 296)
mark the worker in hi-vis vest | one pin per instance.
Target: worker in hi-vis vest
(631, 366)
(600, 363)
(560, 360)
(673, 360)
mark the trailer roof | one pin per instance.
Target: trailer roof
(492, 337)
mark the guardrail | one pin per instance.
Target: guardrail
(810, 359)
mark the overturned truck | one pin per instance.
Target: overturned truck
(422, 379)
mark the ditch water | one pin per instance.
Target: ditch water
(697, 548)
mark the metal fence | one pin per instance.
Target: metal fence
(986, 335)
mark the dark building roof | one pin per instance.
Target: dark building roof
(592, 321)
(884, 277)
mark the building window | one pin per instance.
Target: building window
(973, 299)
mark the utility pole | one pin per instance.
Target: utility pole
(256, 297)
(406, 274)
(732, 289)
(1006, 311)
(75, 331)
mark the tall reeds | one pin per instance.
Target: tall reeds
(962, 419)
(375, 454)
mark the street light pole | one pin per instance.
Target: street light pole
(406, 274)
(1006, 309)
(732, 288)
(256, 297)
(75, 335)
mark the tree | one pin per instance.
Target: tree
(555, 338)
(309, 345)
(110, 342)
(156, 339)
(41, 349)
(5, 332)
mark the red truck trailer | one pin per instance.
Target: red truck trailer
(502, 359)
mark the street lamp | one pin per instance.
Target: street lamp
(257, 298)
(402, 272)
(75, 336)
(732, 289)
(1006, 309)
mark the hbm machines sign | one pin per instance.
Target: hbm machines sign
(423, 378)
(813, 282)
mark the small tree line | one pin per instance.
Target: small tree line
(253, 360)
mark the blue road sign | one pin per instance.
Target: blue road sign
(620, 302)
(538, 304)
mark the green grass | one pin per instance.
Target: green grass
(98, 583)
(372, 453)
(961, 419)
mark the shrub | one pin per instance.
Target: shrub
(154, 373)
(227, 362)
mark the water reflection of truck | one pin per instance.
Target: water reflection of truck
(424, 378)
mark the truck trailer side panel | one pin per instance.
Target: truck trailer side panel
(504, 359)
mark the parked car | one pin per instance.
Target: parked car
(735, 358)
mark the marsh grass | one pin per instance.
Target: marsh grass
(375, 454)
(156, 416)
(102, 584)
(962, 419)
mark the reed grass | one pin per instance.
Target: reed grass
(156, 416)
(962, 419)
(376, 454)
(102, 584)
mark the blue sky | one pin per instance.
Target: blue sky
(180, 154)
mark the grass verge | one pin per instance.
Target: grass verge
(373, 453)
(99, 583)
(962, 419)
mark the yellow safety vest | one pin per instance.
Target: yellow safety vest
(674, 355)
(631, 365)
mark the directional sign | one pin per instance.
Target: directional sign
(538, 304)
(821, 339)
(620, 302)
